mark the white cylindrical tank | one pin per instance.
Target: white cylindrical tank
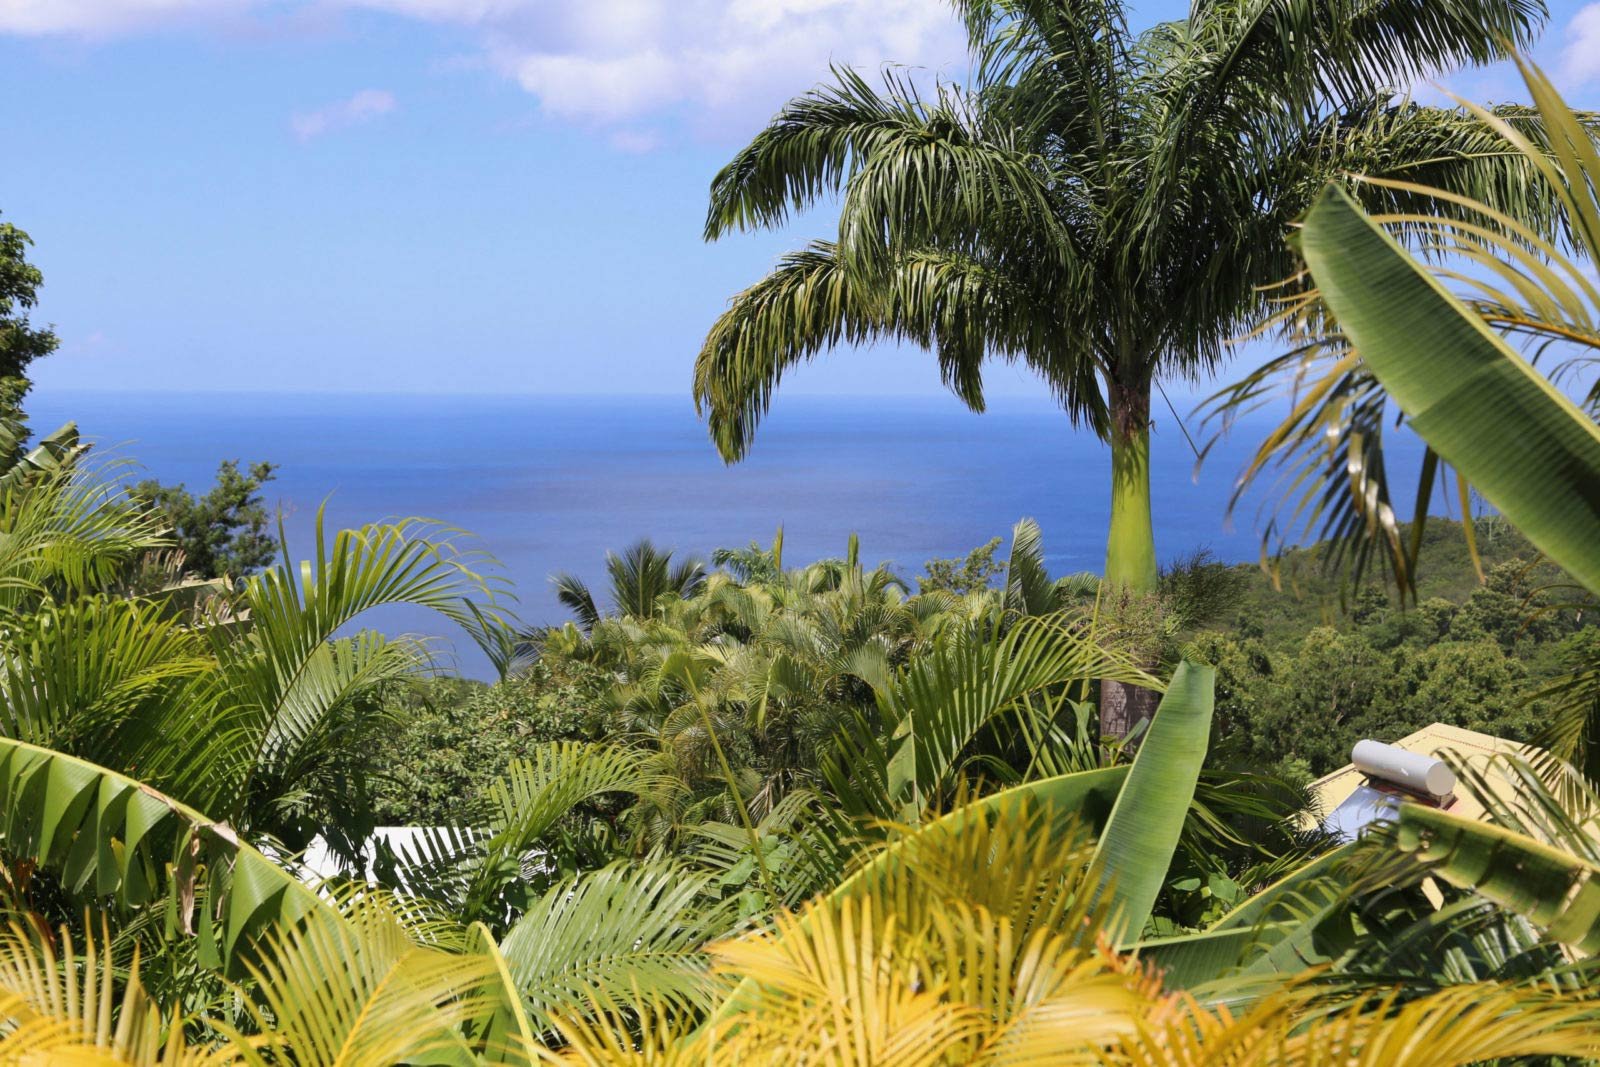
(1409, 770)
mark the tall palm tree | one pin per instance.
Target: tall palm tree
(1102, 205)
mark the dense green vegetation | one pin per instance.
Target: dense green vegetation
(1301, 679)
(773, 813)
(21, 342)
(1302, 673)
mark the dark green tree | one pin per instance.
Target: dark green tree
(962, 574)
(21, 342)
(223, 533)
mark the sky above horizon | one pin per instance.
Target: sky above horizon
(466, 196)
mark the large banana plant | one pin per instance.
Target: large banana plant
(1337, 482)
(1485, 410)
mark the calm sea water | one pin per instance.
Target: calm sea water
(550, 484)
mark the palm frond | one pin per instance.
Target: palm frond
(574, 595)
(358, 990)
(60, 1003)
(110, 836)
(965, 309)
(478, 872)
(601, 938)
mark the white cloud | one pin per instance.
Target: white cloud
(726, 65)
(601, 88)
(364, 106)
(1580, 57)
(717, 66)
(104, 17)
(723, 65)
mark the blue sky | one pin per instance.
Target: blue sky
(472, 196)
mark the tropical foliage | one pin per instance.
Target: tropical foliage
(769, 814)
(21, 342)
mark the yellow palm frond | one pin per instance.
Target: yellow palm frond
(363, 993)
(1294, 1027)
(62, 1005)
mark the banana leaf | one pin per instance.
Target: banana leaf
(1141, 834)
(1483, 408)
(1555, 890)
(1279, 928)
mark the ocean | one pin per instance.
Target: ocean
(551, 483)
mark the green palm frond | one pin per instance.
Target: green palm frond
(289, 681)
(358, 989)
(849, 138)
(70, 524)
(574, 595)
(963, 308)
(967, 680)
(478, 872)
(93, 674)
(609, 935)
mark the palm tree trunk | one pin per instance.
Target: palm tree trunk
(1130, 544)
